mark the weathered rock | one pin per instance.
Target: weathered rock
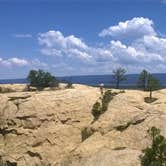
(107, 157)
(6, 88)
(44, 127)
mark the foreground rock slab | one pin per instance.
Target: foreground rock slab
(45, 127)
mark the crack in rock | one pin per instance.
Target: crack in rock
(125, 126)
(11, 98)
(34, 154)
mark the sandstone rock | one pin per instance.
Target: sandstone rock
(4, 88)
(44, 127)
(107, 157)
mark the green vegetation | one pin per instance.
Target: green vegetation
(119, 76)
(123, 127)
(100, 107)
(156, 154)
(153, 84)
(41, 79)
(85, 133)
(143, 80)
(107, 97)
(149, 83)
(7, 163)
(69, 85)
(96, 110)
(149, 100)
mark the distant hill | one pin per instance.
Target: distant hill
(96, 79)
(108, 79)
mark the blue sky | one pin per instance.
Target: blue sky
(81, 37)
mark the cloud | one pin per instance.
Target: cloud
(17, 62)
(37, 64)
(56, 38)
(133, 55)
(134, 28)
(54, 43)
(14, 62)
(152, 44)
(22, 35)
(73, 56)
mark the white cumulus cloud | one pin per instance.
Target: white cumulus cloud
(146, 49)
(14, 62)
(56, 44)
(134, 28)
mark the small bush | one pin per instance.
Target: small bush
(100, 108)
(96, 110)
(149, 100)
(156, 154)
(122, 91)
(86, 133)
(30, 88)
(108, 96)
(69, 85)
(7, 163)
(53, 84)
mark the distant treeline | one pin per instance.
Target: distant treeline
(95, 80)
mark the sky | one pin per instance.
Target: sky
(81, 37)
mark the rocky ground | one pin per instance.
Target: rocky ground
(43, 128)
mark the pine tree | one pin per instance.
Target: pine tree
(143, 80)
(118, 76)
(152, 84)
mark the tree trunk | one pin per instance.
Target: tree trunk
(144, 87)
(117, 84)
(150, 94)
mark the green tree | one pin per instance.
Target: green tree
(156, 154)
(118, 76)
(143, 80)
(41, 79)
(32, 77)
(152, 84)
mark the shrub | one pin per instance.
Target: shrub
(149, 100)
(30, 88)
(100, 108)
(54, 83)
(41, 79)
(85, 133)
(108, 96)
(96, 110)
(7, 163)
(122, 91)
(69, 85)
(156, 154)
